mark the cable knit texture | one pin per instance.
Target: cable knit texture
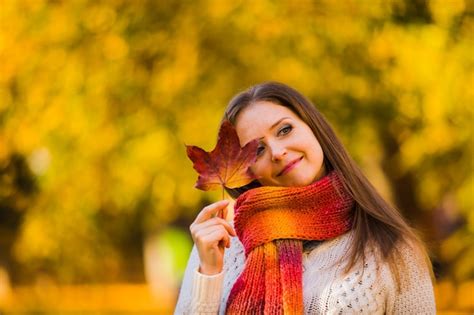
(271, 222)
(205, 288)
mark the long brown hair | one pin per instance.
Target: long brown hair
(376, 222)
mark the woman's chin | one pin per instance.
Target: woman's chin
(298, 181)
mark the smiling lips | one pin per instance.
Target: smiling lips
(290, 166)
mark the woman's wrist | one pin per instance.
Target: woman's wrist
(209, 271)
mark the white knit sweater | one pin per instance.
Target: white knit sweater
(368, 289)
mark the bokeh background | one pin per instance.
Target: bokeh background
(98, 99)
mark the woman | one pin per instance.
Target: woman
(314, 236)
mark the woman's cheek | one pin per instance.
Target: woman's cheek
(254, 170)
(257, 171)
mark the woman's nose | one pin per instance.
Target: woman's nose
(278, 153)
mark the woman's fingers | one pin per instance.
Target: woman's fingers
(211, 233)
(214, 221)
(209, 211)
(224, 213)
(214, 235)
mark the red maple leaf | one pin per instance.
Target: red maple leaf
(227, 165)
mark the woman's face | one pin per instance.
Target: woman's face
(288, 153)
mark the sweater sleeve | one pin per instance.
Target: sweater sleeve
(416, 295)
(199, 294)
(206, 293)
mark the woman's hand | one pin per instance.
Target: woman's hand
(211, 234)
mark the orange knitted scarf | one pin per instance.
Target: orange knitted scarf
(271, 223)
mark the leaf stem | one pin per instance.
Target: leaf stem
(221, 213)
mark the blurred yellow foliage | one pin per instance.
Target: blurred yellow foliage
(97, 101)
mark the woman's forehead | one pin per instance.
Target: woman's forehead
(260, 118)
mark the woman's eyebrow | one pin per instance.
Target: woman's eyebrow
(275, 124)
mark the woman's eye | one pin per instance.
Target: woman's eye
(285, 130)
(259, 150)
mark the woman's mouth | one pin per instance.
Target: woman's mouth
(290, 166)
